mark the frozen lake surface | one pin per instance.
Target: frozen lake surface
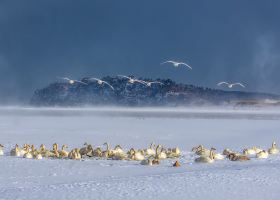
(106, 179)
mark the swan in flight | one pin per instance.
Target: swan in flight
(230, 85)
(149, 83)
(71, 81)
(101, 82)
(132, 80)
(177, 64)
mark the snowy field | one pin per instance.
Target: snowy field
(107, 179)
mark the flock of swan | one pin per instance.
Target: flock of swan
(146, 83)
(148, 156)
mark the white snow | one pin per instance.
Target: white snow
(106, 179)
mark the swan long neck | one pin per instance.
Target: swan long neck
(211, 154)
(157, 149)
(107, 146)
(152, 145)
(118, 147)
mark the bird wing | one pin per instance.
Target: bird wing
(96, 79)
(156, 82)
(80, 82)
(239, 84)
(124, 76)
(108, 85)
(65, 78)
(185, 65)
(221, 83)
(140, 81)
(169, 61)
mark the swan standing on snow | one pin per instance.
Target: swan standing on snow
(177, 64)
(273, 149)
(132, 80)
(101, 82)
(230, 85)
(71, 81)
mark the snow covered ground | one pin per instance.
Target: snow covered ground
(106, 179)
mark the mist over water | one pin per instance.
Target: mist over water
(147, 112)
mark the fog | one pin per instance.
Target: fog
(205, 112)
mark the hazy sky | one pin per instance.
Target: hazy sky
(222, 40)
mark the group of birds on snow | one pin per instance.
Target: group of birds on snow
(146, 83)
(148, 156)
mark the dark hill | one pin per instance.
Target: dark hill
(126, 94)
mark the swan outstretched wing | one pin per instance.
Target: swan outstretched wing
(124, 77)
(155, 82)
(80, 82)
(140, 81)
(96, 79)
(169, 61)
(239, 84)
(221, 83)
(64, 78)
(185, 64)
(108, 85)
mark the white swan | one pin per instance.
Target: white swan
(273, 149)
(136, 155)
(74, 154)
(72, 81)
(149, 83)
(150, 151)
(230, 85)
(25, 149)
(118, 150)
(63, 153)
(249, 151)
(262, 154)
(132, 80)
(15, 151)
(257, 150)
(201, 151)
(218, 156)
(28, 154)
(177, 64)
(206, 159)
(39, 156)
(108, 152)
(101, 82)
(1, 150)
(160, 153)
